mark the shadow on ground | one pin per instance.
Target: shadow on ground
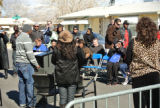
(46, 106)
(102, 77)
(10, 72)
(14, 95)
(2, 75)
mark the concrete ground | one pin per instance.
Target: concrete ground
(9, 89)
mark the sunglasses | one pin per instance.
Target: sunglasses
(36, 26)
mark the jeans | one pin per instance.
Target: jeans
(14, 60)
(26, 94)
(66, 93)
(123, 68)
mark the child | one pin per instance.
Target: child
(53, 44)
(39, 47)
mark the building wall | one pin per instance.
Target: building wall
(154, 17)
(66, 27)
(159, 19)
(104, 22)
(81, 27)
(94, 24)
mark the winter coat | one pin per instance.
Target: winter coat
(4, 64)
(47, 35)
(112, 34)
(88, 38)
(13, 41)
(37, 34)
(123, 33)
(77, 35)
(66, 71)
(143, 60)
(98, 49)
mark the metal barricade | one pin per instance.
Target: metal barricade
(0, 98)
(116, 94)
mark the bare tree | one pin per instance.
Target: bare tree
(15, 8)
(69, 6)
(51, 9)
(1, 2)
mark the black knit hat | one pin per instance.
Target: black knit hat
(75, 27)
(125, 22)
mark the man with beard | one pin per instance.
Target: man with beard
(36, 33)
(76, 33)
(113, 33)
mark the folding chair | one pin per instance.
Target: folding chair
(102, 65)
(97, 57)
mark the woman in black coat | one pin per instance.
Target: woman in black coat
(65, 58)
(4, 64)
(88, 37)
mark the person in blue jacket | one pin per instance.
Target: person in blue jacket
(39, 47)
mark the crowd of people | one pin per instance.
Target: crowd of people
(136, 58)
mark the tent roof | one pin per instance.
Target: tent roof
(10, 21)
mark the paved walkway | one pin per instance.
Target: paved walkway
(10, 92)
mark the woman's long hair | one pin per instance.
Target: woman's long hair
(146, 31)
(68, 50)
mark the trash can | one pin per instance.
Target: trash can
(44, 80)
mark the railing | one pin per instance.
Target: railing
(0, 98)
(116, 94)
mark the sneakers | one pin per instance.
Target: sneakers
(126, 81)
(22, 105)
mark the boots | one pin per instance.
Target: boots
(62, 106)
(6, 74)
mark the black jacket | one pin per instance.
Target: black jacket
(123, 33)
(4, 64)
(88, 38)
(66, 71)
(37, 34)
(13, 41)
(77, 35)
